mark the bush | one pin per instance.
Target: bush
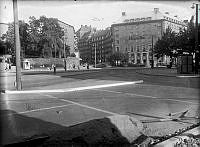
(135, 65)
(101, 65)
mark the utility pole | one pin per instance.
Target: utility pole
(64, 54)
(17, 46)
(196, 43)
(152, 62)
(95, 56)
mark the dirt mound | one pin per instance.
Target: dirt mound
(118, 129)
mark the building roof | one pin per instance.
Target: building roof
(138, 22)
(86, 35)
(65, 23)
(59, 21)
(100, 33)
(153, 15)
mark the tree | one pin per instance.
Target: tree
(118, 58)
(38, 37)
(51, 35)
(186, 39)
(24, 38)
(166, 45)
(5, 47)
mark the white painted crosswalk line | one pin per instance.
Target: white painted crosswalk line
(73, 89)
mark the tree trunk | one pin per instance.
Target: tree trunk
(170, 62)
(51, 52)
(43, 50)
(59, 53)
(55, 48)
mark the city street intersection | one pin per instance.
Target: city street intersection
(51, 102)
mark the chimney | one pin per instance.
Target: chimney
(123, 13)
(156, 10)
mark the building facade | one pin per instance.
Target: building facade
(84, 47)
(69, 35)
(84, 29)
(137, 36)
(79, 43)
(95, 45)
(101, 46)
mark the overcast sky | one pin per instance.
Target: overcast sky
(100, 14)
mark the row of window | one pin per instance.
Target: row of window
(99, 43)
(174, 26)
(135, 27)
(141, 48)
(138, 19)
(134, 37)
(173, 20)
(101, 37)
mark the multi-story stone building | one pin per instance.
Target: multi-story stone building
(69, 35)
(76, 46)
(101, 43)
(136, 36)
(95, 45)
(80, 45)
(84, 29)
(84, 47)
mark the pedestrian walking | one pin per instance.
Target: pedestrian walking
(54, 68)
(87, 66)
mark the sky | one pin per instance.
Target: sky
(99, 14)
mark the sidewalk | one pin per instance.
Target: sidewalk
(160, 71)
(12, 71)
(187, 138)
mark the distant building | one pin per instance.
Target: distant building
(135, 35)
(76, 46)
(84, 29)
(84, 47)
(101, 43)
(95, 42)
(80, 46)
(69, 34)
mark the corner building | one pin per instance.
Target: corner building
(137, 36)
(69, 34)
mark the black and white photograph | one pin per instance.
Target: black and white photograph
(102, 73)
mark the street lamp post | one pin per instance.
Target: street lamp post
(64, 54)
(196, 42)
(152, 60)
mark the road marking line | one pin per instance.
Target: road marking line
(125, 93)
(82, 105)
(23, 112)
(194, 76)
(74, 89)
(153, 97)
(154, 85)
(189, 102)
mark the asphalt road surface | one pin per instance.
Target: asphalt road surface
(52, 102)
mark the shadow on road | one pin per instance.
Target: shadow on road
(132, 75)
(21, 130)
(17, 128)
